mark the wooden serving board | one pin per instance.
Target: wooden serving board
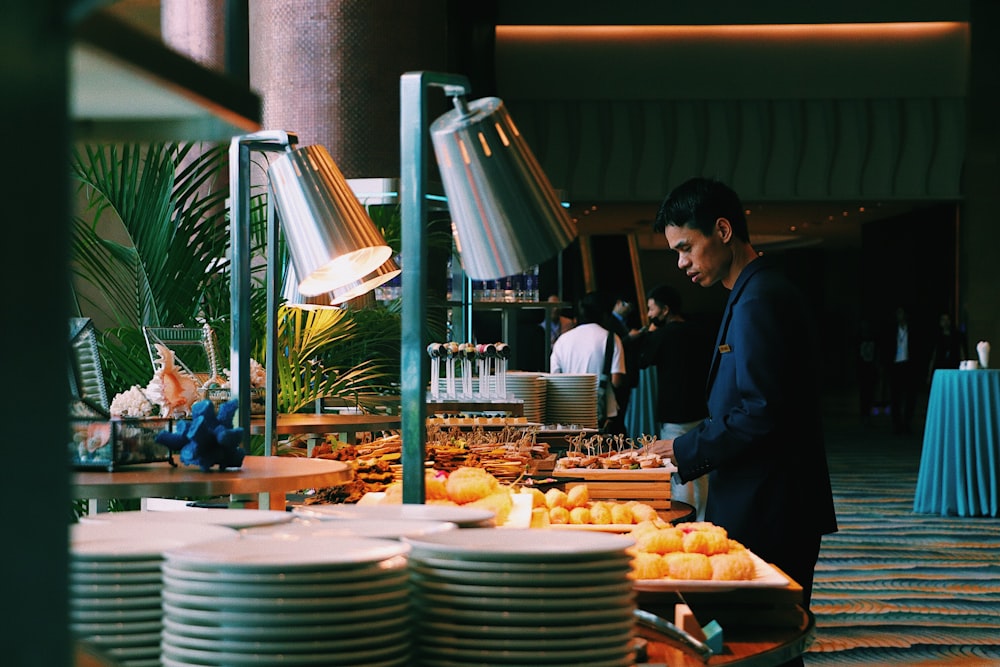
(647, 485)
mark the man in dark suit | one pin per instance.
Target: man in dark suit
(762, 443)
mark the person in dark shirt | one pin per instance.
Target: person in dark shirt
(681, 350)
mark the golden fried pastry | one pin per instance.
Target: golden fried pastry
(579, 515)
(734, 566)
(621, 514)
(539, 517)
(434, 487)
(555, 498)
(537, 497)
(708, 542)
(558, 515)
(393, 494)
(500, 503)
(578, 496)
(643, 512)
(662, 541)
(643, 527)
(600, 514)
(691, 526)
(467, 484)
(648, 566)
(681, 565)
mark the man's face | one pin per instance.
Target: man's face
(704, 259)
(655, 311)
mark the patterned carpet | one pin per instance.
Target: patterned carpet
(894, 587)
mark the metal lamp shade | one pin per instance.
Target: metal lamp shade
(330, 238)
(342, 294)
(507, 216)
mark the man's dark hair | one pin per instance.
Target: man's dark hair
(590, 309)
(667, 297)
(698, 203)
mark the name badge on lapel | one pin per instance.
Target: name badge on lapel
(724, 349)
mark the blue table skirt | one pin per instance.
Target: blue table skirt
(960, 463)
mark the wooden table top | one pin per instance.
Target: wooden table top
(258, 474)
(327, 423)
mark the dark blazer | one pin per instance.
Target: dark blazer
(762, 443)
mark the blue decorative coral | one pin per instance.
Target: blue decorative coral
(207, 439)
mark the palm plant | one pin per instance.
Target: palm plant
(150, 248)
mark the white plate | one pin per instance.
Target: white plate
(401, 661)
(301, 553)
(239, 659)
(374, 573)
(326, 645)
(82, 564)
(540, 603)
(603, 639)
(586, 656)
(383, 528)
(213, 516)
(129, 540)
(83, 616)
(103, 578)
(120, 628)
(621, 563)
(765, 576)
(138, 639)
(519, 545)
(115, 604)
(332, 603)
(464, 517)
(582, 615)
(536, 631)
(273, 619)
(277, 588)
(571, 580)
(531, 591)
(209, 629)
(80, 591)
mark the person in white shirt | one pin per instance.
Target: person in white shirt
(581, 349)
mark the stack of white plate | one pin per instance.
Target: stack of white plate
(463, 517)
(530, 388)
(215, 516)
(115, 584)
(290, 600)
(386, 529)
(571, 398)
(522, 597)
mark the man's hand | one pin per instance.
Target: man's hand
(665, 448)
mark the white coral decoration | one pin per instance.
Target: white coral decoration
(131, 403)
(258, 374)
(172, 388)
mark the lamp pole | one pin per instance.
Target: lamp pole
(273, 141)
(413, 135)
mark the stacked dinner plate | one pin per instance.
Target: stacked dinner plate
(530, 388)
(522, 597)
(571, 398)
(232, 518)
(289, 600)
(115, 584)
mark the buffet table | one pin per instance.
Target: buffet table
(960, 463)
(263, 475)
(315, 425)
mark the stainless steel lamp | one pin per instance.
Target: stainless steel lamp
(331, 240)
(506, 215)
(339, 295)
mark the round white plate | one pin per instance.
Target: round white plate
(138, 639)
(383, 528)
(181, 584)
(301, 553)
(121, 628)
(464, 517)
(116, 604)
(82, 564)
(589, 592)
(81, 616)
(528, 644)
(326, 645)
(402, 661)
(536, 631)
(521, 618)
(372, 572)
(81, 591)
(207, 629)
(272, 619)
(214, 516)
(556, 657)
(331, 603)
(621, 563)
(521, 604)
(132, 540)
(98, 578)
(571, 580)
(519, 545)
(238, 659)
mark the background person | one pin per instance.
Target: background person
(681, 351)
(762, 443)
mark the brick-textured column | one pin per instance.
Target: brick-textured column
(196, 28)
